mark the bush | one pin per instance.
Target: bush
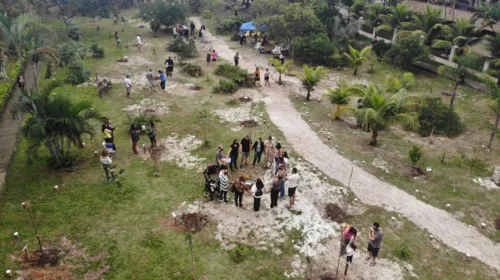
(225, 86)
(438, 115)
(403, 252)
(97, 51)
(348, 3)
(240, 253)
(316, 49)
(74, 32)
(192, 70)
(380, 49)
(414, 155)
(339, 60)
(77, 74)
(235, 73)
(180, 46)
(230, 25)
(407, 50)
(71, 51)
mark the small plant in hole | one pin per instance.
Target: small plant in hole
(97, 51)
(402, 251)
(240, 253)
(192, 70)
(414, 155)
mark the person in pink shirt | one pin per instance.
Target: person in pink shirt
(348, 236)
(214, 56)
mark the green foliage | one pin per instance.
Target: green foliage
(357, 57)
(310, 77)
(407, 50)
(344, 34)
(230, 25)
(97, 51)
(155, 26)
(164, 13)
(402, 251)
(6, 87)
(71, 51)
(179, 45)
(151, 241)
(435, 114)
(225, 86)
(240, 253)
(237, 75)
(348, 3)
(74, 32)
(394, 84)
(77, 74)
(315, 48)
(192, 70)
(358, 7)
(381, 48)
(414, 155)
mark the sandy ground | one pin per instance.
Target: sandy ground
(368, 188)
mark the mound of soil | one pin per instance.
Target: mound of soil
(245, 99)
(249, 123)
(416, 171)
(48, 257)
(193, 222)
(122, 60)
(335, 213)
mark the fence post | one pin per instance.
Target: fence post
(452, 53)
(486, 65)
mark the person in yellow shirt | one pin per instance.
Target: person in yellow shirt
(256, 76)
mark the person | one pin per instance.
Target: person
(257, 148)
(376, 235)
(359, 106)
(266, 77)
(269, 152)
(282, 58)
(20, 82)
(163, 80)
(117, 39)
(209, 55)
(139, 42)
(283, 172)
(275, 190)
(278, 154)
(174, 31)
(185, 31)
(192, 28)
(258, 47)
(128, 85)
(239, 189)
(219, 157)
(152, 133)
(204, 35)
(348, 235)
(292, 183)
(351, 249)
(246, 143)
(236, 59)
(214, 56)
(134, 133)
(256, 76)
(234, 150)
(242, 37)
(169, 66)
(106, 164)
(257, 193)
(149, 77)
(224, 185)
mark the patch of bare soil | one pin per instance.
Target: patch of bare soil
(249, 123)
(335, 213)
(193, 222)
(148, 106)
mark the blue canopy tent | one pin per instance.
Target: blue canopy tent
(250, 27)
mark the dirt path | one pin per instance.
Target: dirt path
(9, 128)
(368, 188)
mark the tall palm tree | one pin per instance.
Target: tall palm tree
(381, 112)
(57, 124)
(393, 19)
(310, 77)
(357, 57)
(281, 68)
(462, 33)
(457, 74)
(424, 22)
(339, 98)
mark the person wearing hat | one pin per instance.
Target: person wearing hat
(269, 152)
(128, 85)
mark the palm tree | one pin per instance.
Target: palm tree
(281, 68)
(394, 84)
(381, 112)
(457, 74)
(424, 22)
(462, 33)
(493, 46)
(494, 106)
(357, 57)
(393, 19)
(486, 13)
(310, 77)
(57, 124)
(372, 15)
(340, 97)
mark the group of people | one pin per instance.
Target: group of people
(274, 154)
(348, 244)
(211, 56)
(256, 77)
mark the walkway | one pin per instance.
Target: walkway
(369, 189)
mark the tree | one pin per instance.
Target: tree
(488, 13)
(372, 15)
(77, 74)
(344, 34)
(159, 13)
(494, 105)
(314, 48)
(407, 50)
(357, 57)
(47, 54)
(380, 48)
(57, 124)
(423, 23)
(310, 77)
(462, 33)
(437, 117)
(457, 74)
(71, 51)
(340, 97)
(281, 68)
(381, 112)
(393, 19)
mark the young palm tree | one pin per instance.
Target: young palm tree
(394, 84)
(463, 33)
(57, 124)
(339, 98)
(381, 112)
(357, 57)
(393, 19)
(311, 77)
(457, 74)
(486, 12)
(281, 68)
(423, 22)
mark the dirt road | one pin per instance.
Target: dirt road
(368, 188)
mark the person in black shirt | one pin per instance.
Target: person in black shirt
(234, 150)
(258, 148)
(192, 28)
(169, 66)
(246, 143)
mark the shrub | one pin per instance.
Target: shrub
(402, 251)
(414, 155)
(438, 115)
(407, 50)
(225, 86)
(339, 60)
(230, 25)
(316, 48)
(235, 73)
(77, 74)
(71, 51)
(97, 51)
(74, 32)
(380, 49)
(192, 70)
(180, 46)
(240, 253)
(347, 3)
(408, 80)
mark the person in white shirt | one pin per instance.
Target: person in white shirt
(139, 42)
(351, 249)
(292, 186)
(257, 193)
(106, 164)
(128, 85)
